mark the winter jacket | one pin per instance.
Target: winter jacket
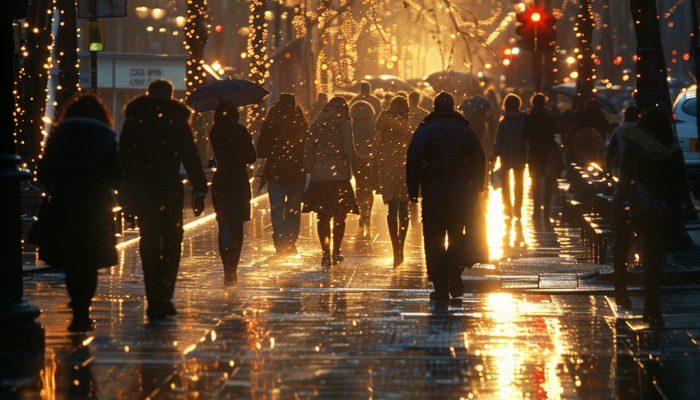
(373, 100)
(445, 161)
(79, 167)
(392, 135)
(510, 145)
(328, 151)
(281, 143)
(234, 150)
(156, 138)
(539, 129)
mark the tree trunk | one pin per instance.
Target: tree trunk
(586, 66)
(66, 54)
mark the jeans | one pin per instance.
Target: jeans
(285, 205)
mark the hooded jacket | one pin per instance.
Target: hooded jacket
(79, 167)
(281, 143)
(445, 160)
(155, 139)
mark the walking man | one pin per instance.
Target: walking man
(281, 144)
(156, 138)
(445, 164)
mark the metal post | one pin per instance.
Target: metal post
(92, 17)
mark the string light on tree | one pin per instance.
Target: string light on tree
(196, 36)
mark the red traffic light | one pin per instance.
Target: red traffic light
(537, 29)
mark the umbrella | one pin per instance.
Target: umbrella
(238, 91)
(569, 89)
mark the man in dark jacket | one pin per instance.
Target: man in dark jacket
(281, 144)
(539, 129)
(156, 138)
(445, 164)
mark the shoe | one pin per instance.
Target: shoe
(398, 259)
(337, 258)
(623, 301)
(156, 313)
(326, 261)
(440, 295)
(82, 325)
(230, 279)
(456, 287)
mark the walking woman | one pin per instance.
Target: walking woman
(393, 135)
(328, 158)
(80, 168)
(363, 117)
(234, 150)
(511, 148)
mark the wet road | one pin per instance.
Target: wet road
(362, 329)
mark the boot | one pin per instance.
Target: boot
(400, 240)
(326, 258)
(230, 274)
(81, 320)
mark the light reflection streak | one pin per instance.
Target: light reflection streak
(518, 347)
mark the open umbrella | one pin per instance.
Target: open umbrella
(238, 91)
(569, 89)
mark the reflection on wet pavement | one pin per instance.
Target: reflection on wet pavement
(360, 329)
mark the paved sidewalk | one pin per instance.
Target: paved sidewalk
(363, 329)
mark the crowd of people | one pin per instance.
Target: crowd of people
(402, 152)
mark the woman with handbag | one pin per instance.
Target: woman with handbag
(328, 158)
(80, 167)
(651, 194)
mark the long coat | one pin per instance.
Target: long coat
(539, 129)
(79, 168)
(329, 152)
(156, 138)
(510, 145)
(234, 150)
(392, 136)
(363, 118)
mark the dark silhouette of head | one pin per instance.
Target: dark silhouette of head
(399, 107)
(538, 100)
(414, 98)
(88, 105)
(512, 102)
(162, 88)
(657, 123)
(322, 98)
(444, 102)
(287, 100)
(633, 114)
(592, 104)
(365, 87)
(226, 112)
(337, 106)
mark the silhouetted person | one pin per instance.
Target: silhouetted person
(416, 113)
(156, 139)
(539, 129)
(445, 164)
(482, 120)
(363, 117)
(393, 135)
(281, 144)
(328, 158)
(511, 148)
(366, 95)
(647, 164)
(321, 101)
(234, 150)
(79, 168)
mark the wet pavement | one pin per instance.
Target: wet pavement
(536, 324)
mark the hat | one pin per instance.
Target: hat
(444, 102)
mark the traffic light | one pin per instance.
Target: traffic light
(218, 42)
(96, 35)
(537, 30)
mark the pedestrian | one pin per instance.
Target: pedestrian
(393, 135)
(363, 117)
(366, 95)
(156, 139)
(281, 144)
(511, 149)
(445, 166)
(416, 113)
(482, 120)
(80, 169)
(652, 196)
(328, 158)
(234, 150)
(539, 130)
(321, 101)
